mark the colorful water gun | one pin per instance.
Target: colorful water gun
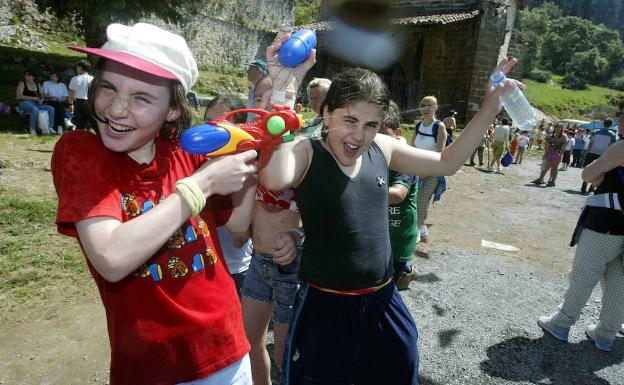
(222, 137)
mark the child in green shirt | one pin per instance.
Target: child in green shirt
(402, 212)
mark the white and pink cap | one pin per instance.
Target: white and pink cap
(149, 49)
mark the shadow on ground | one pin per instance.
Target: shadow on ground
(548, 361)
(575, 192)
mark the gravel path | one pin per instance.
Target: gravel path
(476, 316)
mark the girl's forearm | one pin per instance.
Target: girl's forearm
(461, 149)
(243, 202)
(612, 158)
(117, 249)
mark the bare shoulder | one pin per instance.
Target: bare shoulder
(302, 148)
(387, 145)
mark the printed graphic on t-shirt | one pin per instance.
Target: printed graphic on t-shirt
(174, 266)
(394, 213)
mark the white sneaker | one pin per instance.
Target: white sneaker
(69, 125)
(423, 233)
(548, 324)
(601, 342)
(59, 130)
(490, 168)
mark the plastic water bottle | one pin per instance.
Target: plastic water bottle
(516, 104)
(297, 49)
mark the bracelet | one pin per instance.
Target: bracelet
(192, 194)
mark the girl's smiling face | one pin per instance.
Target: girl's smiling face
(133, 107)
(351, 129)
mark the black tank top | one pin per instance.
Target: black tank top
(604, 220)
(28, 92)
(347, 243)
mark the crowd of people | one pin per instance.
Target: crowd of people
(53, 107)
(195, 259)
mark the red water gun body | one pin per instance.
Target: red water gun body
(222, 137)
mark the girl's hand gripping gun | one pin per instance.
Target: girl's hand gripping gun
(222, 137)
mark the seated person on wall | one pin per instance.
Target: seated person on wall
(55, 94)
(28, 94)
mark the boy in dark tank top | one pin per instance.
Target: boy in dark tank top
(350, 321)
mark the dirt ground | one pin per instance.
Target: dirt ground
(64, 340)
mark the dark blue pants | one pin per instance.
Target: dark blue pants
(343, 340)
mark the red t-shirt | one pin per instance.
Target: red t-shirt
(178, 317)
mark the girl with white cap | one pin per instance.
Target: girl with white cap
(141, 210)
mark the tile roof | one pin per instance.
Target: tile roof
(445, 18)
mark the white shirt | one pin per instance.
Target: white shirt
(569, 144)
(57, 90)
(80, 85)
(423, 141)
(236, 259)
(501, 133)
(523, 141)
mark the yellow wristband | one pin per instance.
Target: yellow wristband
(192, 194)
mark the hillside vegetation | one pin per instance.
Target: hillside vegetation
(590, 104)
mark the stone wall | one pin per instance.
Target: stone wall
(447, 64)
(223, 34)
(21, 24)
(230, 33)
(450, 61)
(491, 38)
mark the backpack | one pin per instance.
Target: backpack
(434, 132)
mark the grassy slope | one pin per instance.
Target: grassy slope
(564, 103)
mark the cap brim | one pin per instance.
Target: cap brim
(128, 60)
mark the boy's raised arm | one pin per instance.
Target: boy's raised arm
(423, 163)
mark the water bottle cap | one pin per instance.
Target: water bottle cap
(497, 77)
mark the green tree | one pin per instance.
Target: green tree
(307, 11)
(531, 28)
(590, 65)
(95, 15)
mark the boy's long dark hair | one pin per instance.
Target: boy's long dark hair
(352, 86)
(169, 130)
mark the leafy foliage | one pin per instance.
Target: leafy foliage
(607, 12)
(555, 100)
(307, 11)
(570, 45)
(540, 76)
(617, 83)
(574, 82)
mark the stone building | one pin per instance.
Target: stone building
(449, 49)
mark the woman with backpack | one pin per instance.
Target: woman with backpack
(430, 135)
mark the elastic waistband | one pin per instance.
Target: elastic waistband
(366, 290)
